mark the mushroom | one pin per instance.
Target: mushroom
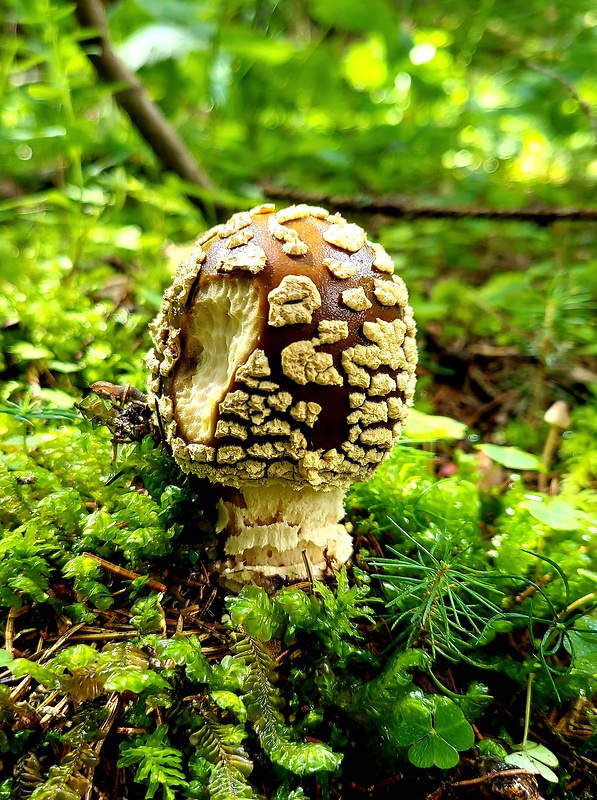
(282, 368)
(557, 417)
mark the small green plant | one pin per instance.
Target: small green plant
(29, 410)
(158, 764)
(434, 730)
(263, 701)
(532, 755)
(436, 597)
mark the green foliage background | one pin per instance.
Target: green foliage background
(471, 105)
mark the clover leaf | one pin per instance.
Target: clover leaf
(434, 729)
(536, 758)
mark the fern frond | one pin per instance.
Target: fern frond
(221, 744)
(229, 765)
(228, 784)
(66, 781)
(159, 764)
(263, 701)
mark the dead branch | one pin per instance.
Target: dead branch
(127, 574)
(583, 105)
(395, 208)
(134, 99)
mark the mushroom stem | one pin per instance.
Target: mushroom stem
(271, 529)
(558, 418)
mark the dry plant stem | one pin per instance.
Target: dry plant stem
(549, 451)
(113, 707)
(394, 207)
(506, 773)
(9, 633)
(587, 598)
(134, 99)
(527, 712)
(127, 574)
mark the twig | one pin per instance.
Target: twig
(123, 730)
(55, 713)
(134, 99)
(394, 207)
(308, 569)
(113, 707)
(585, 107)
(127, 574)
(506, 773)
(9, 632)
(107, 636)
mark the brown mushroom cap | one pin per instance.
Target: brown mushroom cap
(284, 351)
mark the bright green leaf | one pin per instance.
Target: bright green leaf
(555, 513)
(155, 43)
(540, 753)
(5, 657)
(582, 643)
(450, 723)
(230, 702)
(427, 427)
(244, 43)
(352, 15)
(524, 760)
(415, 721)
(422, 753)
(30, 352)
(365, 64)
(510, 457)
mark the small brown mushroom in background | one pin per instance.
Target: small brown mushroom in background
(283, 366)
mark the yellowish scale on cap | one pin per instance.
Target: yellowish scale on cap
(293, 301)
(356, 299)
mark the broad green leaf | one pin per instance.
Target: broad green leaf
(45, 91)
(445, 756)
(415, 721)
(122, 679)
(230, 702)
(47, 677)
(79, 655)
(511, 457)
(427, 427)
(422, 754)
(581, 642)
(51, 132)
(5, 657)
(555, 513)
(253, 610)
(431, 751)
(30, 352)
(185, 651)
(365, 64)
(450, 723)
(306, 758)
(64, 366)
(156, 43)
(525, 760)
(352, 15)
(245, 43)
(540, 753)
(56, 396)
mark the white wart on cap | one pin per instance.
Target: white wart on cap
(283, 365)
